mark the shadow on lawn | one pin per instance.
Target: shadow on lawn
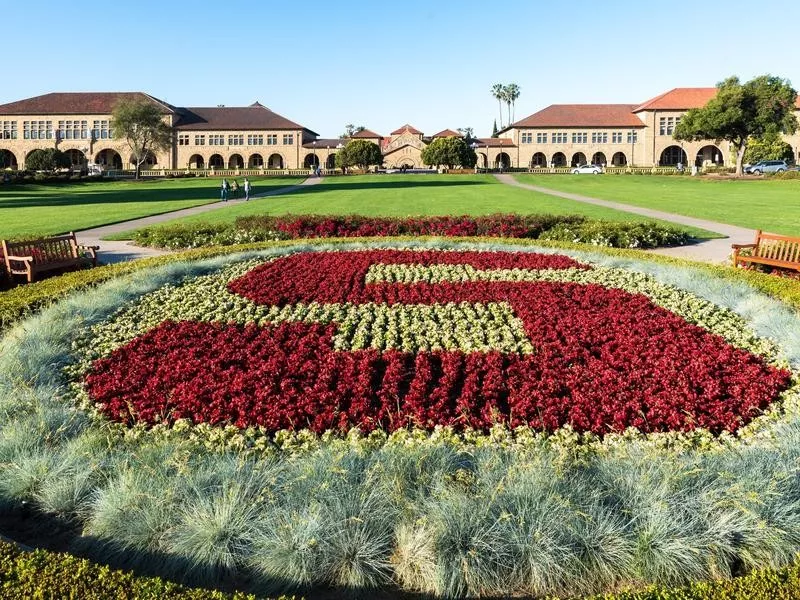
(339, 184)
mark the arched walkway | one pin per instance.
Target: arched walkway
(256, 161)
(311, 160)
(149, 162)
(709, 155)
(330, 163)
(599, 158)
(216, 162)
(619, 160)
(8, 160)
(110, 159)
(275, 161)
(235, 161)
(539, 160)
(197, 162)
(503, 161)
(578, 159)
(671, 156)
(76, 157)
(483, 161)
(559, 159)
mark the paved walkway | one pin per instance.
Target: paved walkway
(714, 251)
(113, 252)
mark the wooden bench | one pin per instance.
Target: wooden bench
(47, 254)
(769, 249)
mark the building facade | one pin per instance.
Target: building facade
(254, 137)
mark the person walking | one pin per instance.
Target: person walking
(246, 189)
(223, 193)
(235, 189)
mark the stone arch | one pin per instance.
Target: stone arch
(709, 154)
(76, 157)
(483, 160)
(330, 162)
(108, 158)
(216, 162)
(235, 161)
(311, 160)
(275, 161)
(197, 162)
(539, 160)
(256, 161)
(503, 161)
(8, 160)
(150, 161)
(578, 159)
(619, 160)
(599, 158)
(671, 156)
(559, 159)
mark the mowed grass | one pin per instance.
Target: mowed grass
(32, 210)
(414, 195)
(768, 204)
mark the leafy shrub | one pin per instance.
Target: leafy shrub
(185, 236)
(618, 235)
(43, 574)
(786, 175)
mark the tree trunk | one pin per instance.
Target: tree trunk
(509, 113)
(500, 110)
(740, 159)
(138, 170)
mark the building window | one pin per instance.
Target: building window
(199, 140)
(8, 130)
(633, 137)
(288, 139)
(599, 137)
(236, 140)
(183, 139)
(541, 138)
(559, 138)
(667, 125)
(527, 138)
(255, 140)
(101, 130)
(616, 137)
(37, 130)
(580, 138)
(272, 139)
(71, 130)
(216, 139)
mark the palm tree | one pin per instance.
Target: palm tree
(506, 96)
(512, 91)
(497, 92)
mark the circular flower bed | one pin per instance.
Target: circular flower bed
(425, 339)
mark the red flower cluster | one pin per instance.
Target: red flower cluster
(604, 360)
(500, 225)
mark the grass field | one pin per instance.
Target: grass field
(771, 205)
(34, 210)
(406, 195)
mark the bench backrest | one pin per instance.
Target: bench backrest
(45, 250)
(777, 247)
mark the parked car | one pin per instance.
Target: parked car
(767, 166)
(587, 169)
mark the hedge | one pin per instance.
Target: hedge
(44, 575)
(24, 300)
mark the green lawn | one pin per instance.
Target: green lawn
(768, 204)
(406, 195)
(34, 210)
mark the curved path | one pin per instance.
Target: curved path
(715, 251)
(119, 251)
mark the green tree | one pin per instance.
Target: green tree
(350, 130)
(494, 129)
(48, 159)
(359, 153)
(510, 94)
(770, 146)
(497, 93)
(140, 123)
(451, 152)
(742, 111)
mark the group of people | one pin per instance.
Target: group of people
(233, 190)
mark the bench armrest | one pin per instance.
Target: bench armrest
(740, 246)
(20, 258)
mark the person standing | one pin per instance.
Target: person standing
(246, 189)
(235, 189)
(223, 193)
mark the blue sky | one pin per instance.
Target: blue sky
(384, 64)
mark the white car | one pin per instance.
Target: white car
(587, 169)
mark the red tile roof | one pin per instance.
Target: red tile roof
(325, 143)
(233, 118)
(77, 103)
(679, 99)
(582, 115)
(495, 143)
(406, 128)
(367, 134)
(446, 133)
